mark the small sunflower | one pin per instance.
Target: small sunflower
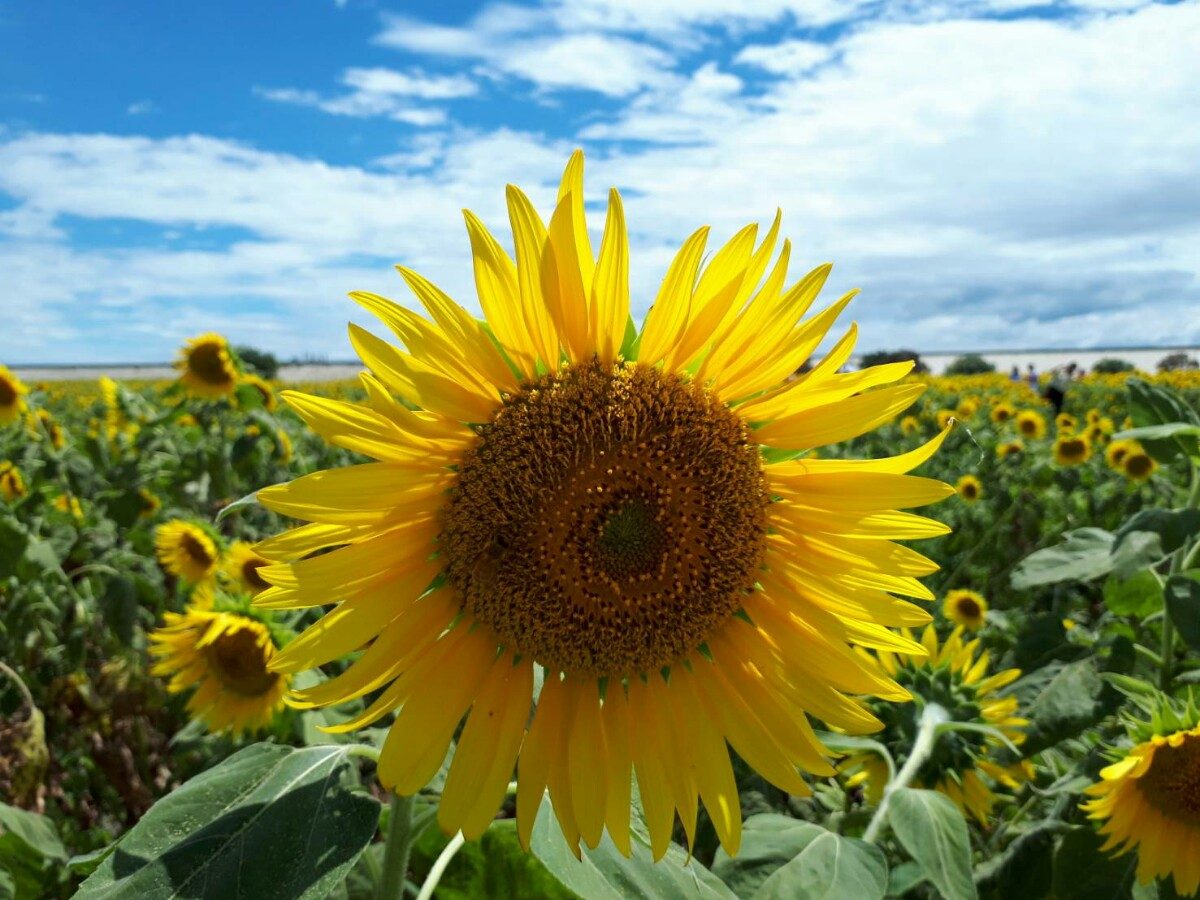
(1072, 449)
(149, 502)
(224, 657)
(1065, 422)
(1138, 465)
(1002, 412)
(967, 407)
(1031, 424)
(12, 484)
(207, 367)
(969, 488)
(69, 504)
(613, 512)
(1149, 800)
(1009, 448)
(186, 551)
(909, 425)
(1116, 452)
(241, 565)
(944, 417)
(12, 394)
(965, 608)
(962, 765)
(264, 389)
(1092, 416)
(44, 424)
(1095, 435)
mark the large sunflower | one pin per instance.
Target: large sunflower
(962, 766)
(1149, 800)
(12, 393)
(223, 656)
(207, 368)
(623, 512)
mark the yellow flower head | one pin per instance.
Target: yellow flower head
(630, 517)
(969, 488)
(224, 658)
(1009, 448)
(12, 394)
(1116, 452)
(967, 407)
(1002, 412)
(186, 551)
(207, 368)
(965, 608)
(1150, 800)
(1031, 424)
(1138, 465)
(943, 418)
(1065, 422)
(953, 675)
(12, 485)
(1092, 417)
(264, 389)
(1072, 449)
(68, 503)
(283, 446)
(909, 425)
(241, 566)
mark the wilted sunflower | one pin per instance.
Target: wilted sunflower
(187, 551)
(12, 393)
(1072, 449)
(623, 511)
(1031, 424)
(12, 485)
(965, 608)
(224, 656)
(1002, 412)
(1009, 448)
(241, 565)
(1149, 800)
(961, 766)
(1138, 465)
(207, 367)
(969, 488)
(1064, 421)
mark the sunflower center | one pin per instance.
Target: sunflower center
(607, 519)
(195, 550)
(207, 362)
(250, 573)
(968, 608)
(1138, 465)
(8, 392)
(1172, 785)
(238, 661)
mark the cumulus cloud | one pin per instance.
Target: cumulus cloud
(381, 92)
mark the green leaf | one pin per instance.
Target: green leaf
(13, 539)
(1151, 404)
(248, 397)
(1183, 606)
(1082, 872)
(1084, 554)
(119, 606)
(30, 852)
(1060, 700)
(36, 831)
(1173, 527)
(249, 500)
(269, 821)
(1157, 432)
(931, 829)
(831, 867)
(1139, 595)
(604, 874)
(769, 841)
(904, 877)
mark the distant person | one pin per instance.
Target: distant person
(1056, 390)
(1015, 374)
(1031, 377)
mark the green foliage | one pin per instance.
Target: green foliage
(262, 362)
(1111, 365)
(1178, 361)
(882, 357)
(932, 831)
(969, 364)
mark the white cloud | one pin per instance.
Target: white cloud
(785, 58)
(140, 108)
(381, 92)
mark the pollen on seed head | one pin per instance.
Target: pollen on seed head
(607, 519)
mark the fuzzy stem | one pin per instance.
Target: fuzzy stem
(399, 843)
(927, 730)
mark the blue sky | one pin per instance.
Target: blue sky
(991, 173)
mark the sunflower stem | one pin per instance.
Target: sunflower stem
(439, 866)
(928, 727)
(1178, 562)
(399, 843)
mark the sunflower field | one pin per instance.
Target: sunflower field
(623, 636)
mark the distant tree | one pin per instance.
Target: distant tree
(880, 357)
(260, 362)
(1111, 365)
(969, 364)
(1173, 362)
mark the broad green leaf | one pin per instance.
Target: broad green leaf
(1139, 595)
(831, 867)
(1151, 404)
(35, 830)
(1084, 554)
(30, 852)
(1173, 527)
(1158, 432)
(1183, 605)
(1060, 700)
(604, 874)
(1082, 872)
(268, 822)
(904, 877)
(13, 539)
(931, 829)
(769, 840)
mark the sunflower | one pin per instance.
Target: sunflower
(627, 515)
(969, 488)
(1092, 416)
(186, 551)
(962, 765)
(149, 503)
(69, 504)
(225, 657)
(1138, 465)
(1116, 452)
(1002, 412)
(967, 407)
(1009, 448)
(265, 391)
(909, 425)
(42, 424)
(1149, 800)
(207, 367)
(241, 566)
(1072, 449)
(12, 393)
(1031, 424)
(12, 485)
(1064, 421)
(944, 417)
(965, 608)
